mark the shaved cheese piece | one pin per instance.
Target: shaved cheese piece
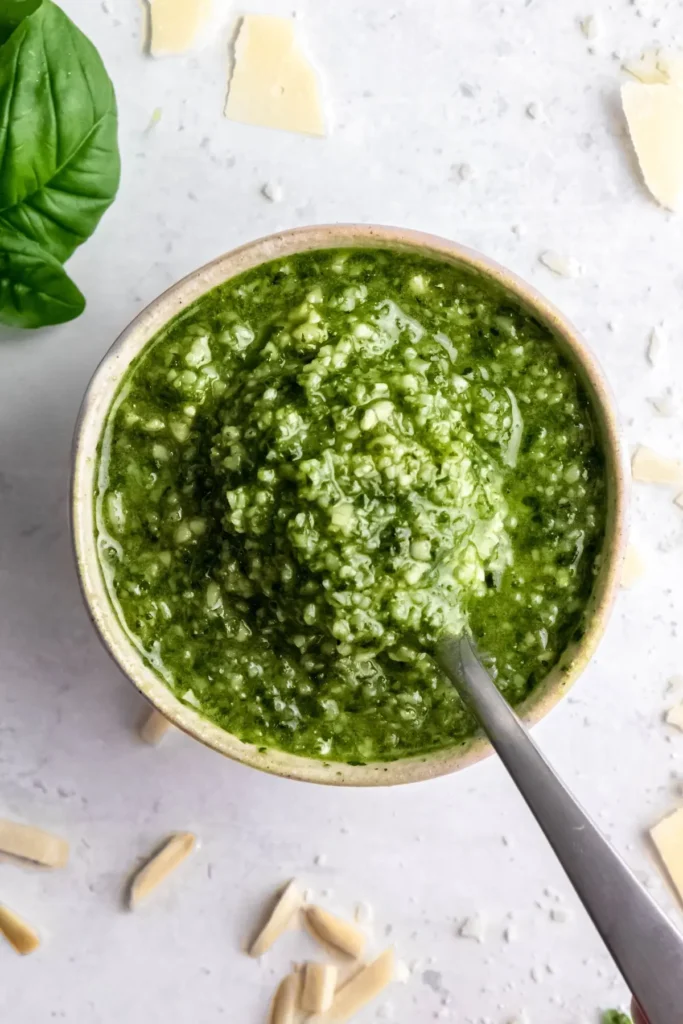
(647, 68)
(654, 114)
(656, 346)
(284, 1006)
(154, 727)
(33, 844)
(320, 981)
(672, 66)
(174, 851)
(273, 84)
(656, 67)
(174, 24)
(590, 26)
(359, 991)
(563, 266)
(647, 467)
(674, 716)
(287, 905)
(668, 838)
(664, 404)
(19, 934)
(335, 932)
(632, 569)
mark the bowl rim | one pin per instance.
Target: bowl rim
(97, 401)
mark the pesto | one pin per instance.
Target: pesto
(326, 464)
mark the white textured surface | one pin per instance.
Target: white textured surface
(429, 107)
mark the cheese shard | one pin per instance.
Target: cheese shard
(647, 68)
(273, 84)
(174, 24)
(674, 716)
(668, 838)
(656, 66)
(649, 467)
(654, 114)
(633, 568)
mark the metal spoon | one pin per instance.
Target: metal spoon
(646, 947)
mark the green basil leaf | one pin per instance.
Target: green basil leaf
(59, 159)
(35, 290)
(12, 12)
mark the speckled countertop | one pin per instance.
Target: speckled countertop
(430, 129)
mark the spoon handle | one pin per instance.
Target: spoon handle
(646, 947)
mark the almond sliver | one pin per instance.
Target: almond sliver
(335, 932)
(287, 905)
(154, 727)
(359, 991)
(33, 844)
(174, 851)
(284, 1007)
(320, 981)
(17, 932)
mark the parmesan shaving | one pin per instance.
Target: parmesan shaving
(633, 568)
(648, 467)
(19, 934)
(656, 346)
(656, 67)
(174, 24)
(287, 905)
(647, 69)
(668, 838)
(359, 991)
(273, 84)
(654, 114)
(28, 843)
(174, 851)
(561, 265)
(674, 716)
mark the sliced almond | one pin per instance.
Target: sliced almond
(633, 568)
(287, 905)
(648, 467)
(174, 851)
(17, 932)
(320, 981)
(154, 727)
(284, 1006)
(33, 844)
(359, 991)
(335, 932)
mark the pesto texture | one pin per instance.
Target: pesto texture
(325, 465)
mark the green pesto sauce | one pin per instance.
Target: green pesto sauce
(326, 464)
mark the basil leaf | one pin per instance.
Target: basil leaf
(35, 290)
(12, 12)
(59, 159)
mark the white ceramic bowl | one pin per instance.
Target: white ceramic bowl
(100, 395)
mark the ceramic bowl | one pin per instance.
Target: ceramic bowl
(99, 397)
